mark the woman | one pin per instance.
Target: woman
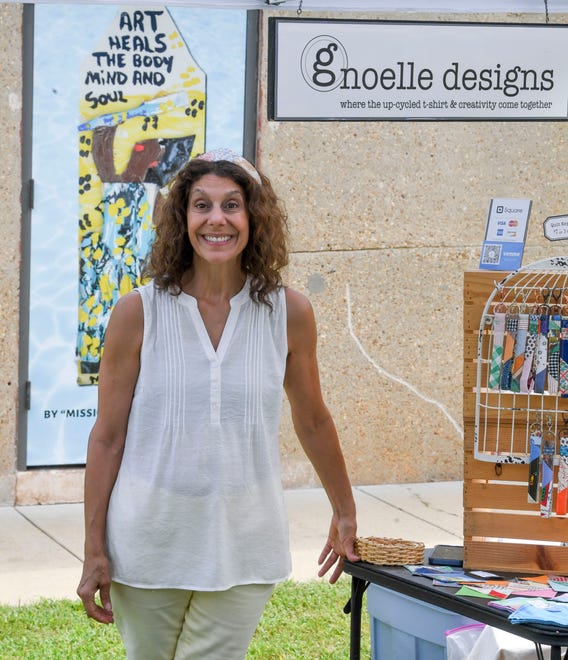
(186, 529)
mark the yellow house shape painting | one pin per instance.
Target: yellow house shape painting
(142, 110)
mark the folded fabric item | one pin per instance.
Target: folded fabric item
(539, 610)
(510, 604)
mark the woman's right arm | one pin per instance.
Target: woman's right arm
(117, 379)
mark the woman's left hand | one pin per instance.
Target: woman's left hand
(340, 545)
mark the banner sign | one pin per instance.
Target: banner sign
(379, 70)
(505, 235)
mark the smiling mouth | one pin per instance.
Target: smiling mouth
(217, 238)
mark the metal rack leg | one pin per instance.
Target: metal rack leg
(358, 587)
(556, 653)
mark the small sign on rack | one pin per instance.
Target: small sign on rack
(505, 234)
(556, 227)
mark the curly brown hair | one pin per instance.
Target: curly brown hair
(266, 252)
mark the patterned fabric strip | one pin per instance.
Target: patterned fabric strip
(534, 463)
(511, 326)
(553, 365)
(562, 495)
(547, 474)
(527, 375)
(519, 352)
(563, 377)
(497, 352)
(541, 357)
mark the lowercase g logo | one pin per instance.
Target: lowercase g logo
(322, 61)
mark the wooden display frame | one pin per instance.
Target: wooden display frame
(502, 531)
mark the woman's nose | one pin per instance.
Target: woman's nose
(216, 214)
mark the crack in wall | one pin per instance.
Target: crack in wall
(396, 379)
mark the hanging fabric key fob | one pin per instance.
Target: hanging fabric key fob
(527, 374)
(548, 446)
(534, 465)
(553, 364)
(562, 495)
(541, 357)
(519, 352)
(563, 377)
(497, 352)
(511, 326)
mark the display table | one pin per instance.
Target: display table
(400, 580)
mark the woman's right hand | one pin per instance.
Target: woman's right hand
(96, 578)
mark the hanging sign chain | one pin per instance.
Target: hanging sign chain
(546, 10)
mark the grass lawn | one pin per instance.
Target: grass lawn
(303, 620)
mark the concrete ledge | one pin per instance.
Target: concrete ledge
(59, 486)
(8, 490)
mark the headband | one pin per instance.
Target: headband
(227, 154)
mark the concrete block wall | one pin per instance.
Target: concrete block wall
(385, 217)
(10, 232)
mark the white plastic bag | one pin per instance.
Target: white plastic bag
(480, 642)
(496, 644)
(460, 641)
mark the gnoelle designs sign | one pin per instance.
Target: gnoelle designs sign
(368, 70)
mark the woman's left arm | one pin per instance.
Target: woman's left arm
(316, 431)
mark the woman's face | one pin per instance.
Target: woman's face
(217, 219)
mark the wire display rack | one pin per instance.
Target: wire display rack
(522, 365)
(516, 418)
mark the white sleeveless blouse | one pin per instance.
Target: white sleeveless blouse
(198, 501)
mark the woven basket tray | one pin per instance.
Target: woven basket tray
(393, 552)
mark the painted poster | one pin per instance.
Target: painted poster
(142, 116)
(115, 116)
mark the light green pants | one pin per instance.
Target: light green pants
(174, 624)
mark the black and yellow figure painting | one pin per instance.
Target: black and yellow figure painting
(142, 116)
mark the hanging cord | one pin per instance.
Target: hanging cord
(299, 10)
(546, 10)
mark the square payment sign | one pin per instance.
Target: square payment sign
(505, 235)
